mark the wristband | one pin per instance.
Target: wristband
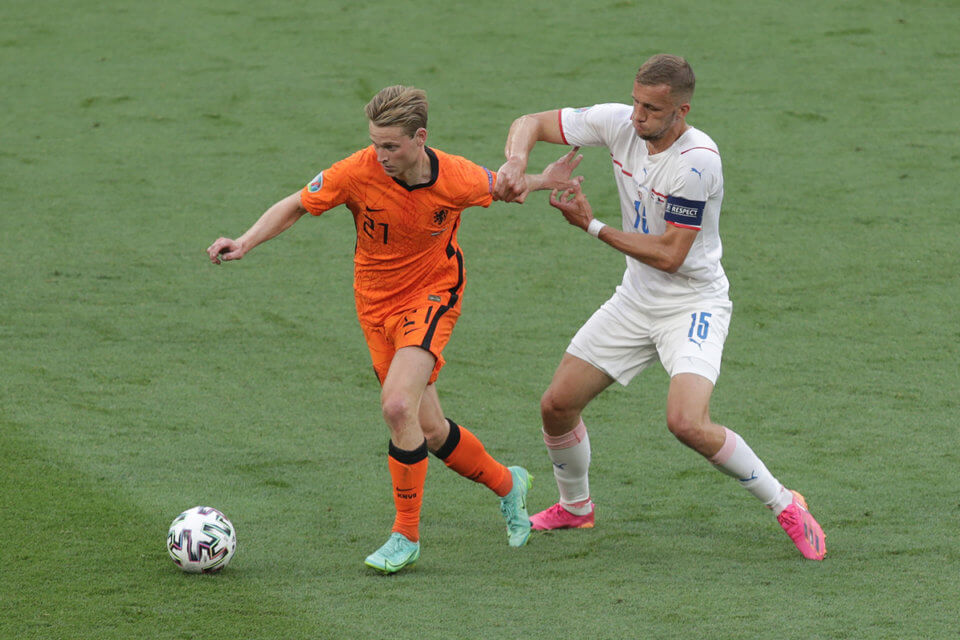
(594, 228)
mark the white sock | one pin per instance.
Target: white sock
(570, 454)
(738, 460)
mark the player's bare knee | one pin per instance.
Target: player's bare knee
(687, 428)
(554, 407)
(397, 409)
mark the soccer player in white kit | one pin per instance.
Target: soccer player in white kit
(672, 304)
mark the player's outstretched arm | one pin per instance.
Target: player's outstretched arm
(557, 175)
(274, 221)
(525, 132)
(665, 252)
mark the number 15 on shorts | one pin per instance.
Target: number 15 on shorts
(699, 325)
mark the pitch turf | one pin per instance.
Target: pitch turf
(137, 380)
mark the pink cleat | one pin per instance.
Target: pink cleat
(556, 517)
(802, 529)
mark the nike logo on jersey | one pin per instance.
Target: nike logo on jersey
(373, 210)
(436, 233)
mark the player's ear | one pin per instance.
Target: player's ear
(420, 136)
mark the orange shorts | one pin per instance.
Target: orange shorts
(428, 327)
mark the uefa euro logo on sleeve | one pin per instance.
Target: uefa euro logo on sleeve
(316, 183)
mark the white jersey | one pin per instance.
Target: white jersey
(682, 185)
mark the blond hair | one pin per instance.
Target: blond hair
(399, 106)
(672, 70)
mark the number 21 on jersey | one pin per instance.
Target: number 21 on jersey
(370, 227)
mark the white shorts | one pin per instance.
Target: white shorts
(622, 339)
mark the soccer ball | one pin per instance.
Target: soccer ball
(201, 540)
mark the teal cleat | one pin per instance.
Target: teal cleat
(398, 552)
(513, 506)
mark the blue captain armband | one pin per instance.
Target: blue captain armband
(683, 212)
(489, 180)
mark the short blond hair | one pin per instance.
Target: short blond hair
(671, 70)
(399, 106)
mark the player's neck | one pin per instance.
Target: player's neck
(666, 141)
(420, 172)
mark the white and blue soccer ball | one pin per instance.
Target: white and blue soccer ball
(201, 540)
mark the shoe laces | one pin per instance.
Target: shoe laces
(394, 544)
(790, 516)
(558, 511)
(509, 505)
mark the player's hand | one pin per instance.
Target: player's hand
(225, 249)
(511, 183)
(573, 205)
(558, 173)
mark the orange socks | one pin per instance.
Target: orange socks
(464, 453)
(408, 471)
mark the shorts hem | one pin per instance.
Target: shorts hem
(577, 352)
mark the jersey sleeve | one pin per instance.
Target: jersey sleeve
(478, 182)
(699, 178)
(593, 126)
(331, 187)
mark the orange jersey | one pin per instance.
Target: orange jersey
(407, 245)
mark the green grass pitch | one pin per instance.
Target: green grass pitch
(137, 380)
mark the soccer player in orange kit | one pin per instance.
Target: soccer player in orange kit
(406, 199)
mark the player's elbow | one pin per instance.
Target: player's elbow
(672, 255)
(669, 261)
(660, 260)
(528, 121)
(534, 126)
